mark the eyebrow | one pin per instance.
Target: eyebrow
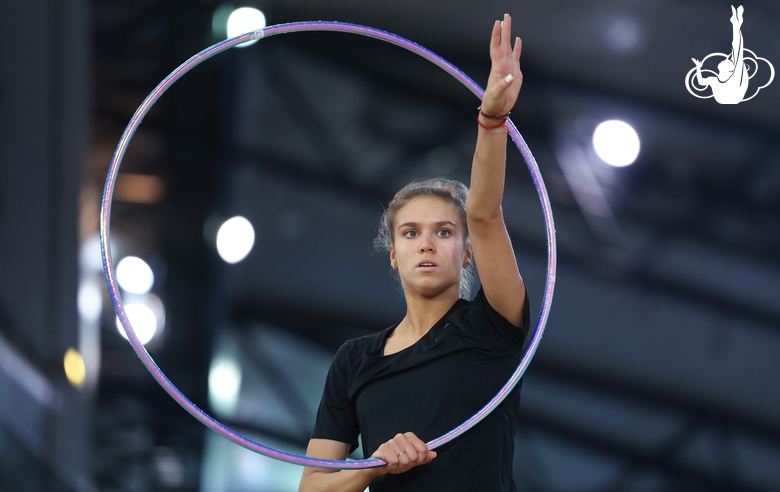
(437, 224)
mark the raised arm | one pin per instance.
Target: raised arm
(493, 253)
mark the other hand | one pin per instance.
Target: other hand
(403, 452)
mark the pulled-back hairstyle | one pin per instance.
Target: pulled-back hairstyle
(451, 191)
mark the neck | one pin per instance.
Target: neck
(422, 312)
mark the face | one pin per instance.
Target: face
(429, 248)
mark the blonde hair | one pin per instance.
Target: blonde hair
(447, 189)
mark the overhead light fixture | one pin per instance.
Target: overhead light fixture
(134, 275)
(616, 143)
(623, 35)
(224, 385)
(90, 299)
(75, 370)
(244, 20)
(142, 319)
(235, 239)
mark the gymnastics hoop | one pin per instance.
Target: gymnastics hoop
(146, 359)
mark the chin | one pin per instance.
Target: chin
(433, 291)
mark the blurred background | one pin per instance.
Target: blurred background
(246, 206)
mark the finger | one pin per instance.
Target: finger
(506, 30)
(429, 456)
(389, 457)
(410, 451)
(495, 39)
(401, 441)
(518, 49)
(400, 444)
(413, 455)
(393, 452)
(418, 446)
(404, 459)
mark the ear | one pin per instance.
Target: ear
(393, 261)
(468, 256)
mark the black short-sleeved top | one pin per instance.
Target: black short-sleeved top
(430, 388)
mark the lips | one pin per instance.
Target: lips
(425, 264)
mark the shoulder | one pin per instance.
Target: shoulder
(480, 320)
(354, 362)
(481, 304)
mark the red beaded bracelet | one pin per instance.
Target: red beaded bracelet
(491, 127)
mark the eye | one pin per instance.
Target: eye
(444, 233)
(410, 233)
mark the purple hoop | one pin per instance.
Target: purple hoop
(151, 366)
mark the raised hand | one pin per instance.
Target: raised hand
(505, 77)
(403, 452)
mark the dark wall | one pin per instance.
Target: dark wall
(44, 87)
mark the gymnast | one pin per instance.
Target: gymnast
(448, 356)
(731, 84)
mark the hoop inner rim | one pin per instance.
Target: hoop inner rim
(146, 359)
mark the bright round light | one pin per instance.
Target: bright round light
(244, 20)
(134, 275)
(156, 305)
(142, 319)
(235, 239)
(75, 370)
(90, 300)
(224, 385)
(616, 143)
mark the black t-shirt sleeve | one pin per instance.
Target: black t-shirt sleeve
(488, 325)
(336, 417)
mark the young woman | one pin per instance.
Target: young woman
(448, 356)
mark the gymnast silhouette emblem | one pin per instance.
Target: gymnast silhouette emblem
(730, 84)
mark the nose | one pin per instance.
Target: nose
(426, 244)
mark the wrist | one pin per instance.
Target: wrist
(489, 121)
(493, 116)
(372, 473)
(489, 124)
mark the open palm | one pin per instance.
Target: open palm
(502, 90)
